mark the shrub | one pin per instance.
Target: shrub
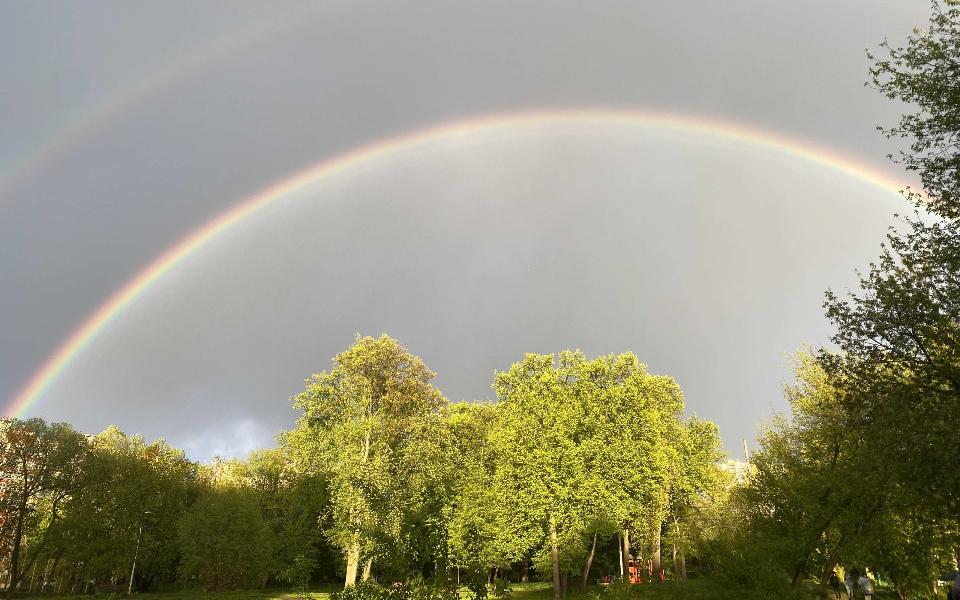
(420, 589)
(298, 574)
(362, 590)
(500, 590)
(415, 589)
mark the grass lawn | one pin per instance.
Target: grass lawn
(694, 589)
(268, 594)
(701, 588)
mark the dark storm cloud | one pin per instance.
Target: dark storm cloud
(707, 262)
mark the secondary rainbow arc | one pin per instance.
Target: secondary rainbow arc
(726, 131)
(86, 122)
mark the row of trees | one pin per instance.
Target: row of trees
(74, 505)
(833, 486)
(381, 477)
(76, 510)
(574, 450)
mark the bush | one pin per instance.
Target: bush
(755, 567)
(362, 590)
(476, 582)
(415, 589)
(500, 590)
(298, 574)
(620, 589)
(419, 589)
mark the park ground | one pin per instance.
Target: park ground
(695, 589)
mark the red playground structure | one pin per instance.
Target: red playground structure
(633, 572)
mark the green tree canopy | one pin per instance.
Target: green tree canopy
(899, 335)
(39, 467)
(370, 428)
(224, 541)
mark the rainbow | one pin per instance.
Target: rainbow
(725, 131)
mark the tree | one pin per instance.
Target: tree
(795, 501)
(291, 504)
(695, 481)
(38, 473)
(926, 75)
(361, 421)
(820, 495)
(539, 464)
(631, 418)
(899, 336)
(484, 532)
(409, 536)
(580, 450)
(224, 542)
(128, 490)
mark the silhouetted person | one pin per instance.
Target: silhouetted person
(835, 585)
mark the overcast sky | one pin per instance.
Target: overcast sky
(124, 126)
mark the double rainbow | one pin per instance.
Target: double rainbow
(728, 132)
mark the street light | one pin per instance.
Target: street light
(135, 554)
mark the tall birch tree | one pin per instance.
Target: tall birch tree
(360, 421)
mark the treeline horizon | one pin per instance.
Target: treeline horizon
(382, 478)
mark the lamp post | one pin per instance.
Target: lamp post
(136, 553)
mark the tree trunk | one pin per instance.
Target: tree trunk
(367, 568)
(53, 571)
(353, 561)
(656, 553)
(74, 577)
(563, 583)
(524, 572)
(679, 561)
(353, 553)
(797, 573)
(626, 554)
(620, 552)
(586, 567)
(555, 557)
(33, 577)
(676, 566)
(14, 580)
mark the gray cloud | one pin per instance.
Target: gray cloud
(708, 261)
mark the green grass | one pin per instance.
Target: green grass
(320, 593)
(700, 588)
(270, 594)
(532, 591)
(693, 589)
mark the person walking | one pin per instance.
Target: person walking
(866, 586)
(835, 585)
(834, 582)
(848, 582)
